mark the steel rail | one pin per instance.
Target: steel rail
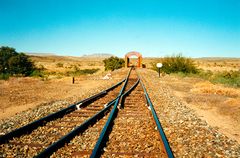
(77, 130)
(105, 131)
(167, 147)
(125, 83)
(126, 93)
(65, 139)
(40, 122)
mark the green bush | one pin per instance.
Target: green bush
(231, 78)
(176, 64)
(207, 75)
(14, 63)
(113, 63)
(37, 73)
(4, 76)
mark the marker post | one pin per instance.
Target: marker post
(159, 65)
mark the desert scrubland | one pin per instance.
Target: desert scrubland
(218, 104)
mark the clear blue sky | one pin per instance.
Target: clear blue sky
(196, 28)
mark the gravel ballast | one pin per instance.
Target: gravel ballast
(188, 135)
(46, 108)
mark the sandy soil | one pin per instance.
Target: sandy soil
(218, 105)
(19, 94)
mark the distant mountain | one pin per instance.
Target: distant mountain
(95, 55)
(40, 54)
(98, 55)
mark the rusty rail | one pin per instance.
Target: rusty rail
(68, 137)
(104, 133)
(167, 147)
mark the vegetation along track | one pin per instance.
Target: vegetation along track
(93, 131)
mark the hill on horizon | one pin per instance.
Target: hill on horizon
(98, 55)
(94, 55)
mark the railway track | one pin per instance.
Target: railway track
(134, 130)
(30, 140)
(114, 123)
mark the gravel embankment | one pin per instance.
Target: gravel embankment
(25, 117)
(188, 135)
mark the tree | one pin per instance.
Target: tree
(12, 62)
(113, 63)
(5, 54)
(20, 64)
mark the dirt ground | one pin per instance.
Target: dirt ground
(218, 105)
(19, 94)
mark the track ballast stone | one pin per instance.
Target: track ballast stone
(188, 135)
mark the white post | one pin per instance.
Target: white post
(159, 65)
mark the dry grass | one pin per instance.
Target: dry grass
(219, 64)
(51, 63)
(217, 104)
(207, 87)
(212, 64)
